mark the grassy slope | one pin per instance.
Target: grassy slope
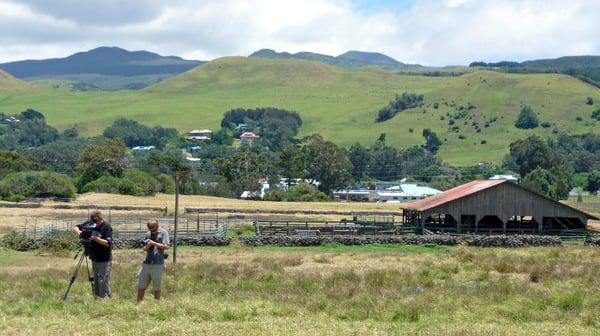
(341, 104)
(239, 290)
(9, 83)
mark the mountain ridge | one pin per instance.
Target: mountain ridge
(89, 67)
(349, 59)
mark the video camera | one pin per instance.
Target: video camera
(87, 231)
(153, 237)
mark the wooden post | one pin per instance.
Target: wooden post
(176, 219)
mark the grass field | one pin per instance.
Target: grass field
(341, 104)
(375, 290)
(16, 218)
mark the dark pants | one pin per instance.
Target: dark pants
(101, 278)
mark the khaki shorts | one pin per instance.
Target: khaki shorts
(149, 273)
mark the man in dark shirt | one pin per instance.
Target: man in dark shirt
(100, 251)
(156, 242)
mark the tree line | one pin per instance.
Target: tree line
(36, 160)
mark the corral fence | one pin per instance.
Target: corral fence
(132, 227)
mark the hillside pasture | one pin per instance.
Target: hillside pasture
(341, 104)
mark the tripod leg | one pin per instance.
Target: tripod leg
(90, 277)
(72, 280)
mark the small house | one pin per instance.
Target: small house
(199, 135)
(248, 137)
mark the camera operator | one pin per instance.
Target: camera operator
(153, 267)
(99, 250)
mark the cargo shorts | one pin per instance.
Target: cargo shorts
(150, 273)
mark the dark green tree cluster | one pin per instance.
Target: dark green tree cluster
(276, 127)
(400, 103)
(527, 119)
(387, 163)
(26, 129)
(541, 167)
(135, 134)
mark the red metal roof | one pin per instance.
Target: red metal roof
(452, 194)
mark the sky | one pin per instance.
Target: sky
(428, 32)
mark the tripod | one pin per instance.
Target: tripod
(76, 272)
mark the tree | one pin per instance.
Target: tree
(135, 134)
(596, 114)
(590, 101)
(432, 141)
(60, 156)
(384, 163)
(99, 159)
(538, 180)
(243, 169)
(30, 131)
(360, 157)
(527, 119)
(548, 183)
(593, 182)
(291, 163)
(222, 137)
(276, 127)
(326, 163)
(37, 184)
(531, 153)
(11, 162)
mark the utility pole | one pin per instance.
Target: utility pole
(176, 220)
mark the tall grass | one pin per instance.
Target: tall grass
(464, 291)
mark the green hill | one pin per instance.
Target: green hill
(9, 83)
(339, 103)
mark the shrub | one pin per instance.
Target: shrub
(436, 105)
(545, 124)
(113, 185)
(60, 240)
(578, 118)
(596, 114)
(302, 192)
(144, 181)
(462, 137)
(483, 142)
(18, 241)
(590, 101)
(167, 184)
(16, 186)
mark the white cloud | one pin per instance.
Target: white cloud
(434, 32)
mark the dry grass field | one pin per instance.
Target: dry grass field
(18, 217)
(328, 290)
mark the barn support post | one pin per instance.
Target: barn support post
(476, 224)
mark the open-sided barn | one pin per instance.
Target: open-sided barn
(493, 207)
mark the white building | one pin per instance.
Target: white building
(399, 193)
(199, 135)
(404, 192)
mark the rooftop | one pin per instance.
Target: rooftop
(452, 194)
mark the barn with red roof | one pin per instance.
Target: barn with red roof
(494, 207)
